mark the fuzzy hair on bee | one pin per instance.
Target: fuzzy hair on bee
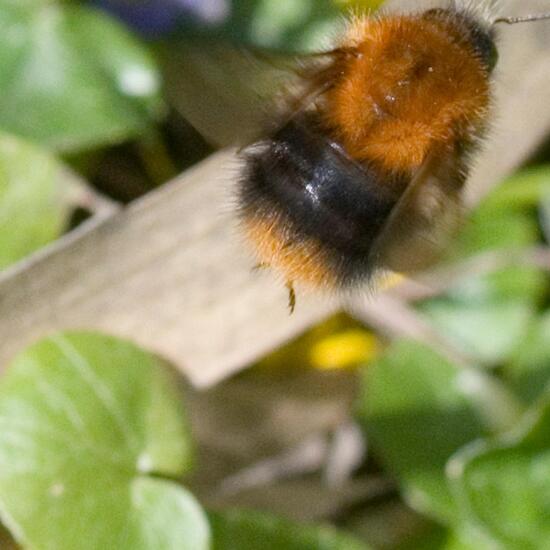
(366, 171)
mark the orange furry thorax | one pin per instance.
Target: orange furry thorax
(411, 84)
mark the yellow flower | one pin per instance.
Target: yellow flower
(344, 349)
(364, 4)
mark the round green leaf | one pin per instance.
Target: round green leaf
(33, 209)
(92, 427)
(246, 530)
(504, 485)
(72, 78)
(418, 409)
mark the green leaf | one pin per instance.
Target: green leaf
(89, 425)
(33, 208)
(468, 538)
(432, 538)
(293, 26)
(529, 369)
(418, 409)
(281, 25)
(72, 78)
(488, 332)
(503, 486)
(247, 530)
(524, 190)
(495, 230)
(488, 315)
(446, 539)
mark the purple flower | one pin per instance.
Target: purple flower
(209, 11)
(157, 17)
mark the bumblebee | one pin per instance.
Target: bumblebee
(364, 168)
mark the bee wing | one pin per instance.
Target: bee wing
(425, 217)
(227, 92)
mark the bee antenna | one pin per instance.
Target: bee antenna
(526, 19)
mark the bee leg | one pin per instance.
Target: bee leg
(291, 296)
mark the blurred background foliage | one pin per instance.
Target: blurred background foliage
(461, 444)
